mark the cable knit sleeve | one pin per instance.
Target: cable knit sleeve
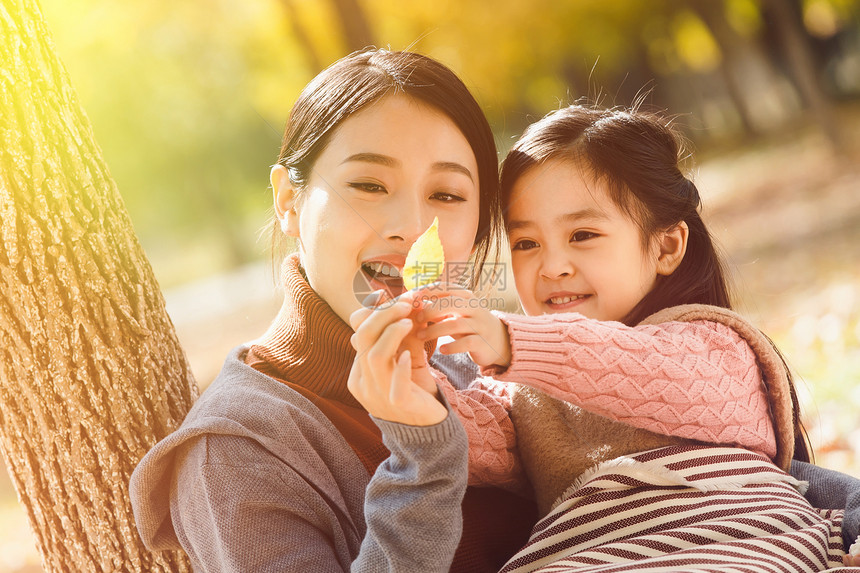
(698, 380)
(484, 409)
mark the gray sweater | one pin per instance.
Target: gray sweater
(254, 455)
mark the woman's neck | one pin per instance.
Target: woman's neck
(307, 344)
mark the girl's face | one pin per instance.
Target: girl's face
(385, 174)
(572, 249)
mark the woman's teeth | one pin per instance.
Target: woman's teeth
(565, 299)
(383, 269)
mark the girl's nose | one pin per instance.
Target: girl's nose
(555, 264)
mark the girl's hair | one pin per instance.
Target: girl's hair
(363, 78)
(637, 155)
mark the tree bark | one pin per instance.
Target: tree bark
(91, 371)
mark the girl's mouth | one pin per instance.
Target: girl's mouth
(384, 276)
(565, 302)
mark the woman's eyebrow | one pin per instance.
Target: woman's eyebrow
(453, 166)
(377, 158)
(388, 161)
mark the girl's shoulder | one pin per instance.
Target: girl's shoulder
(773, 370)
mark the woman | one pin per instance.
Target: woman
(268, 471)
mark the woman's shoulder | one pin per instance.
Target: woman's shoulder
(258, 428)
(243, 404)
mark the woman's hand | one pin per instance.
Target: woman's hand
(382, 374)
(458, 313)
(852, 558)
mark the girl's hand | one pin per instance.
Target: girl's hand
(381, 378)
(456, 312)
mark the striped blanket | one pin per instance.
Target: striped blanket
(684, 508)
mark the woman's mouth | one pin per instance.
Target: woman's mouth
(382, 275)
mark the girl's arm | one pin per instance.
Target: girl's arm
(697, 380)
(484, 409)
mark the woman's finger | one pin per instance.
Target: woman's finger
(382, 354)
(376, 322)
(359, 316)
(354, 382)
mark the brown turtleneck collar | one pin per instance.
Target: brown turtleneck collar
(307, 344)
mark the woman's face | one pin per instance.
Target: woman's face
(384, 175)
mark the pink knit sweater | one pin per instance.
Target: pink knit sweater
(698, 380)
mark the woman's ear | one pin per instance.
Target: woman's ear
(284, 194)
(673, 245)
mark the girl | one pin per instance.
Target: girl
(271, 469)
(606, 237)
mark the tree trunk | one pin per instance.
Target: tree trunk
(353, 21)
(795, 45)
(91, 371)
(314, 61)
(713, 15)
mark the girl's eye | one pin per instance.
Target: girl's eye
(367, 187)
(523, 245)
(580, 236)
(446, 197)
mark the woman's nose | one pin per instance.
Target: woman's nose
(407, 220)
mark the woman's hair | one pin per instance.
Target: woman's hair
(638, 156)
(355, 82)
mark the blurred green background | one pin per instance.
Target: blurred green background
(189, 99)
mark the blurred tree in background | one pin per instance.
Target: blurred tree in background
(189, 100)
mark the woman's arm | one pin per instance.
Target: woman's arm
(413, 502)
(829, 489)
(235, 507)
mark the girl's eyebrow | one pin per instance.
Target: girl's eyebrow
(587, 214)
(388, 161)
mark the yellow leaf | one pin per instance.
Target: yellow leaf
(425, 260)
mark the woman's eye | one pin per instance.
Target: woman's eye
(367, 187)
(523, 245)
(580, 236)
(446, 197)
